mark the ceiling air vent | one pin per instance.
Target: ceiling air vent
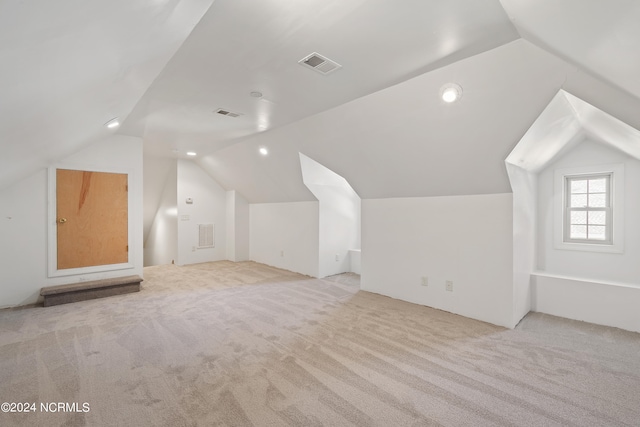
(227, 113)
(319, 63)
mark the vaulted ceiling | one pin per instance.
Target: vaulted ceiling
(67, 67)
(165, 66)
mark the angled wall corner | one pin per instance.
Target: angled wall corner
(161, 241)
(339, 216)
(173, 230)
(554, 132)
(237, 227)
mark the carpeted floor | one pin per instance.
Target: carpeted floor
(241, 344)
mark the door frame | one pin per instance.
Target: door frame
(52, 227)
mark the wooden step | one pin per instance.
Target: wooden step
(82, 291)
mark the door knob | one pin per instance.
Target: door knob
(62, 220)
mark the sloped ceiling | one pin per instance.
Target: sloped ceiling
(600, 36)
(67, 67)
(404, 141)
(167, 65)
(244, 45)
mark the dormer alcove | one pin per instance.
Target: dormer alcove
(579, 279)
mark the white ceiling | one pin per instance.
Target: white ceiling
(602, 37)
(404, 141)
(242, 46)
(67, 67)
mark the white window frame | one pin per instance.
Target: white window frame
(568, 209)
(614, 242)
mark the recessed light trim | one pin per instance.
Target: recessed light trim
(255, 94)
(191, 153)
(263, 151)
(113, 123)
(451, 92)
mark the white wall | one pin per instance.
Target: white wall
(23, 247)
(208, 207)
(339, 225)
(617, 267)
(161, 245)
(23, 222)
(237, 227)
(285, 235)
(466, 239)
(525, 193)
(155, 173)
(355, 261)
(339, 216)
(603, 303)
(242, 227)
(597, 287)
(231, 224)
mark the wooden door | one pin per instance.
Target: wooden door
(92, 218)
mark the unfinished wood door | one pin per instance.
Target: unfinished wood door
(92, 218)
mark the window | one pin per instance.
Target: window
(588, 208)
(588, 212)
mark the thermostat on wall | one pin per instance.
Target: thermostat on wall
(189, 201)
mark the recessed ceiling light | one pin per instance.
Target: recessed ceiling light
(256, 94)
(451, 92)
(191, 153)
(263, 151)
(113, 123)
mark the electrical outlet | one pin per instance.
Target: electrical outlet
(193, 248)
(337, 257)
(425, 281)
(449, 285)
(281, 253)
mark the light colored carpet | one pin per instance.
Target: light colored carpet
(243, 344)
